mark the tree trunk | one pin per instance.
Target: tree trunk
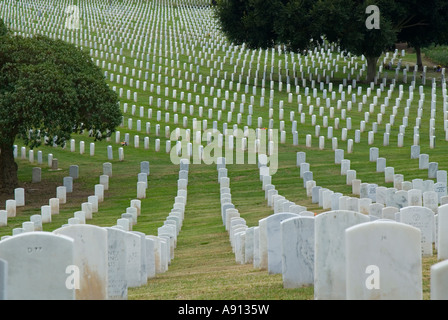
(419, 58)
(371, 68)
(8, 169)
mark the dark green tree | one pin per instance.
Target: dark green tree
(49, 89)
(344, 22)
(426, 24)
(3, 28)
(266, 23)
(294, 23)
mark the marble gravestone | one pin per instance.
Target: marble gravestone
(297, 235)
(423, 219)
(439, 281)
(117, 284)
(262, 244)
(442, 233)
(274, 242)
(329, 252)
(383, 261)
(133, 259)
(91, 257)
(3, 279)
(37, 266)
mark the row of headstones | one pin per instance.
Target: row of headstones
(104, 264)
(173, 222)
(194, 25)
(365, 190)
(208, 65)
(295, 133)
(247, 91)
(53, 207)
(323, 252)
(406, 69)
(79, 261)
(36, 175)
(371, 134)
(322, 142)
(389, 174)
(234, 224)
(386, 203)
(292, 251)
(378, 202)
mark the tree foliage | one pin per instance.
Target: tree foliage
(295, 22)
(49, 89)
(267, 23)
(427, 24)
(3, 28)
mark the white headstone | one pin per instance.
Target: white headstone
(297, 251)
(383, 261)
(423, 219)
(442, 232)
(329, 266)
(439, 281)
(37, 266)
(117, 283)
(274, 243)
(90, 256)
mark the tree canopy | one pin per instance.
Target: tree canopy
(295, 22)
(426, 25)
(264, 24)
(49, 89)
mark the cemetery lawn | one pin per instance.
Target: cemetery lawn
(438, 54)
(204, 266)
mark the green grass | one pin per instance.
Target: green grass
(204, 266)
(438, 54)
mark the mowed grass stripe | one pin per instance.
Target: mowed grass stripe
(204, 265)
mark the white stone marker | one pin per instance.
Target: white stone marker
(10, 206)
(439, 281)
(3, 218)
(94, 201)
(61, 194)
(19, 196)
(141, 190)
(37, 266)
(151, 268)
(423, 219)
(249, 246)
(329, 254)
(297, 251)
(144, 258)
(263, 244)
(54, 205)
(3, 279)
(99, 192)
(117, 284)
(90, 256)
(157, 253)
(383, 261)
(442, 232)
(274, 243)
